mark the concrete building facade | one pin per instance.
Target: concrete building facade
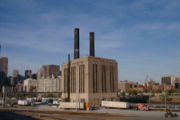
(176, 82)
(92, 79)
(48, 78)
(50, 84)
(30, 85)
(167, 79)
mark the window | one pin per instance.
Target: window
(95, 79)
(73, 80)
(82, 78)
(103, 70)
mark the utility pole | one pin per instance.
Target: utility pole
(4, 96)
(68, 77)
(165, 99)
(146, 80)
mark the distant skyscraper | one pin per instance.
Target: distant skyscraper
(3, 70)
(15, 73)
(28, 74)
(15, 77)
(47, 71)
(4, 65)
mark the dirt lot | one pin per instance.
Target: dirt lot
(52, 113)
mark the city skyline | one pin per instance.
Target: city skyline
(142, 36)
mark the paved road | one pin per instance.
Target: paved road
(14, 116)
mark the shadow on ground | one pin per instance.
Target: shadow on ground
(14, 116)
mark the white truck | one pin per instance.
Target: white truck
(71, 105)
(23, 102)
(114, 104)
(55, 102)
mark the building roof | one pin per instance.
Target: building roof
(92, 58)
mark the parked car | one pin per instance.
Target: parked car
(142, 107)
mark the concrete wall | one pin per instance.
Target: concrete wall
(30, 85)
(50, 84)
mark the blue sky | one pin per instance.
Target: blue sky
(142, 35)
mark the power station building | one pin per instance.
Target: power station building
(89, 79)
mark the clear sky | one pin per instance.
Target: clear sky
(142, 35)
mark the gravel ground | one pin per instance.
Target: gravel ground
(118, 114)
(148, 115)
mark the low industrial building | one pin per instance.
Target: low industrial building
(125, 85)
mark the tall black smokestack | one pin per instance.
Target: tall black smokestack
(92, 46)
(76, 43)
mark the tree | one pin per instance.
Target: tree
(49, 95)
(157, 91)
(132, 92)
(165, 96)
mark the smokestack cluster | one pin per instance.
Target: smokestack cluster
(76, 44)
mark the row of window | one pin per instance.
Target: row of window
(103, 81)
(82, 78)
(73, 79)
